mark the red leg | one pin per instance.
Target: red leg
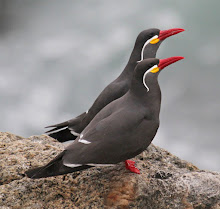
(130, 165)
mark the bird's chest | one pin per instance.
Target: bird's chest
(145, 132)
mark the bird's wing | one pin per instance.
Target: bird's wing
(110, 93)
(66, 123)
(107, 142)
(68, 130)
(63, 131)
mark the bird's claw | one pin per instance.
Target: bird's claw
(130, 165)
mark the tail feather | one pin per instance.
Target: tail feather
(53, 168)
(63, 135)
(54, 129)
(59, 125)
(62, 131)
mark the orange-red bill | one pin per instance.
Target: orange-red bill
(167, 33)
(168, 61)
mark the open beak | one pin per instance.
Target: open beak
(168, 61)
(166, 33)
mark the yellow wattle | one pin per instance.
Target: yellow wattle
(155, 70)
(154, 41)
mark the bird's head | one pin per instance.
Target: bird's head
(147, 70)
(148, 41)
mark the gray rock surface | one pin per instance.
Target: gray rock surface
(165, 180)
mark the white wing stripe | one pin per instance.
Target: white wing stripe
(91, 164)
(74, 133)
(84, 141)
(72, 165)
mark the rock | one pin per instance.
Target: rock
(165, 180)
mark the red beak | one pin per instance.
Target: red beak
(167, 33)
(168, 61)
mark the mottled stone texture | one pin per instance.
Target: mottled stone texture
(165, 180)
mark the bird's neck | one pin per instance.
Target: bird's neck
(149, 98)
(127, 73)
(132, 62)
(149, 52)
(136, 53)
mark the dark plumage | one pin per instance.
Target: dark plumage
(146, 46)
(120, 131)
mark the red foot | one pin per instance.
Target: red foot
(129, 164)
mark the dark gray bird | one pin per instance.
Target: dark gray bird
(146, 46)
(120, 131)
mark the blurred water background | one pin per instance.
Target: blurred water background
(57, 56)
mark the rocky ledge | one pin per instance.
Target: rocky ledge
(165, 180)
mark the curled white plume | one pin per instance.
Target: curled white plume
(144, 76)
(145, 44)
